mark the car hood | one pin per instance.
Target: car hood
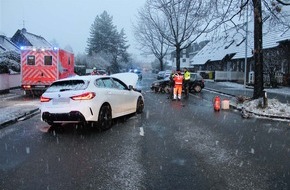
(127, 78)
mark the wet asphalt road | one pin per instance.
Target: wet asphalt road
(185, 145)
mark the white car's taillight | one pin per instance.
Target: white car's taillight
(84, 96)
(44, 99)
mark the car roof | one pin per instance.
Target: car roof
(128, 78)
(82, 77)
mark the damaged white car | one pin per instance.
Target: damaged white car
(91, 100)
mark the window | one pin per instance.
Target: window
(108, 83)
(60, 86)
(119, 85)
(100, 84)
(30, 60)
(47, 60)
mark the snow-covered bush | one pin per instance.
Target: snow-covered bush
(9, 61)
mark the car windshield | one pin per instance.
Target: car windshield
(68, 85)
(193, 76)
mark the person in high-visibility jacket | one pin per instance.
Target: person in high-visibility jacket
(178, 79)
(186, 77)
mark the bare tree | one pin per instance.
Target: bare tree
(258, 41)
(148, 36)
(283, 2)
(182, 22)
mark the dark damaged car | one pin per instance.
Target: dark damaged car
(196, 84)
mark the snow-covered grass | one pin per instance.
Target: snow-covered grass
(274, 108)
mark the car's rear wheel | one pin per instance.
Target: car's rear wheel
(197, 88)
(140, 105)
(105, 117)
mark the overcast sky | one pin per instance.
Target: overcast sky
(67, 21)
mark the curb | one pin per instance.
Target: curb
(253, 113)
(22, 117)
(261, 115)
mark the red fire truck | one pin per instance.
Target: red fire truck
(42, 66)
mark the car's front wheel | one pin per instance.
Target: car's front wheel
(105, 117)
(140, 105)
(197, 88)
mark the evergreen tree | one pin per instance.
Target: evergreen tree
(106, 40)
(102, 33)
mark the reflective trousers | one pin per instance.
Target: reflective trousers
(177, 91)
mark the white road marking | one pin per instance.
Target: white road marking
(141, 131)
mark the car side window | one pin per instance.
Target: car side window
(119, 85)
(100, 83)
(108, 83)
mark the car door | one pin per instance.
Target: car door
(125, 95)
(108, 93)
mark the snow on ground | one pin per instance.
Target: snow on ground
(274, 108)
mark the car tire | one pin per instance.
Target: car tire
(197, 88)
(105, 117)
(140, 105)
(156, 90)
(167, 89)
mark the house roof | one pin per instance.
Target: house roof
(221, 46)
(7, 45)
(24, 38)
(233, 42)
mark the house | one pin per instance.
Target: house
(24, 38)
(231, 51)
(187, 54)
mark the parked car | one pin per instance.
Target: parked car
(167, 73)
(92, 100)
(160, 75)
(196, 84)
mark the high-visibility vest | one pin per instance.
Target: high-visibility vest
(178, 79)
(186, 75)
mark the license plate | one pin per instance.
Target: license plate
(40, 86)
(60, 101)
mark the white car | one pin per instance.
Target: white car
(91, 100)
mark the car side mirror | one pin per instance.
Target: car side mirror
(131, 87)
